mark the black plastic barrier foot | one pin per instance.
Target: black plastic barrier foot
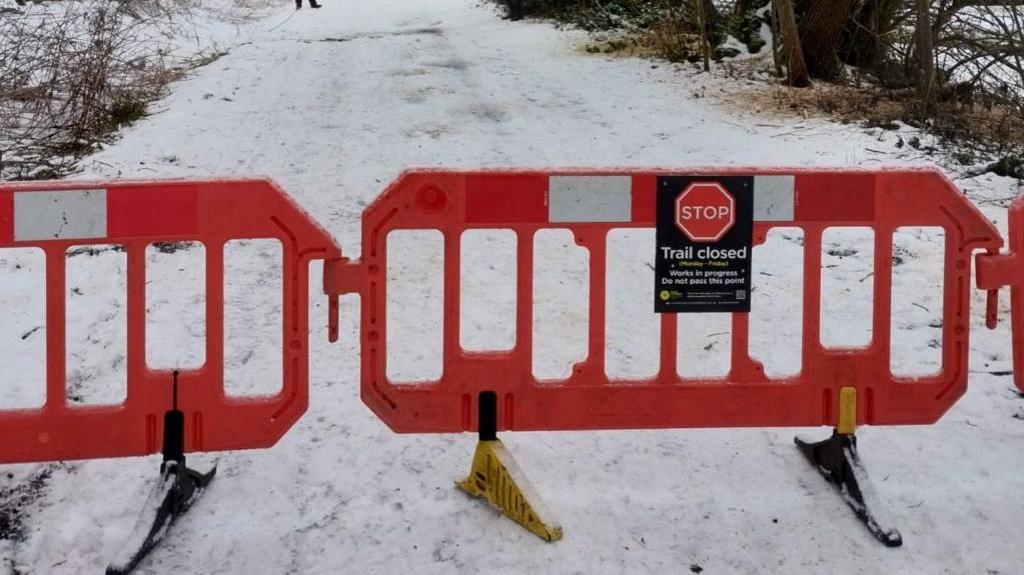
(175, 492)
(836, 458)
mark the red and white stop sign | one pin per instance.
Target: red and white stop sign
(705, 211)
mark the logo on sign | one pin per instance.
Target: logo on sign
(705, 212)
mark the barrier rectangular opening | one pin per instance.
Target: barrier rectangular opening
(632, 329)
(776, 302)
(23, 314)
(487, 291)
(561, 300)
(415, 305)
(918, 261)
(96, 336)
(847, 286)
(175, 305)
(704, 344)
(253, 283)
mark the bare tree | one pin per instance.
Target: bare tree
(796, 68)
(925, 54)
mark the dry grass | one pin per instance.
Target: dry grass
(660, 43)
(669, 36)
(673, 39)
(994, 128)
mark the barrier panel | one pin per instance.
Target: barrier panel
(56, 216)
(720, 211)
(592, 203)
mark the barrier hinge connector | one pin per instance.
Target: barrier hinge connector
(341, 276)
(996, 270)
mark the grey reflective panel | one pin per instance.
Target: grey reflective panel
(72, 214)
(590, 199)
(773, 198)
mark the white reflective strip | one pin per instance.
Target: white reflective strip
(590, 198)
(72, 214)
(773, 198)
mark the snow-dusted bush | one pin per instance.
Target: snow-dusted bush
(72, 71)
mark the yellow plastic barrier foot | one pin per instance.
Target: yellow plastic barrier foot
(498, 479)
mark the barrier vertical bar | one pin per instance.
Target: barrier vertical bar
(214, 285)
(524, 298)
(668, 370)
(56, 360)
(881, 329)
(597, 244)
(452, 326)
(810, 304)
(136, 310)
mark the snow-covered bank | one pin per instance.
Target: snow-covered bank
(333, 104)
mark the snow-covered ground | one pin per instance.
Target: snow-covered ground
(333, 104)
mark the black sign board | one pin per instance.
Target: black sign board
(704, 229)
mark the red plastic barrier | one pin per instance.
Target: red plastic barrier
(56, 216)
(452, 202)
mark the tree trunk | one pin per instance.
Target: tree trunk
(705, 45)
(796, 68)
(776, 40)
(925, 54)
(515, 9)
(821, 29)
(708, 14)
(863, 45)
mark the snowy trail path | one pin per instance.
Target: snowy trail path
(333, 104)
